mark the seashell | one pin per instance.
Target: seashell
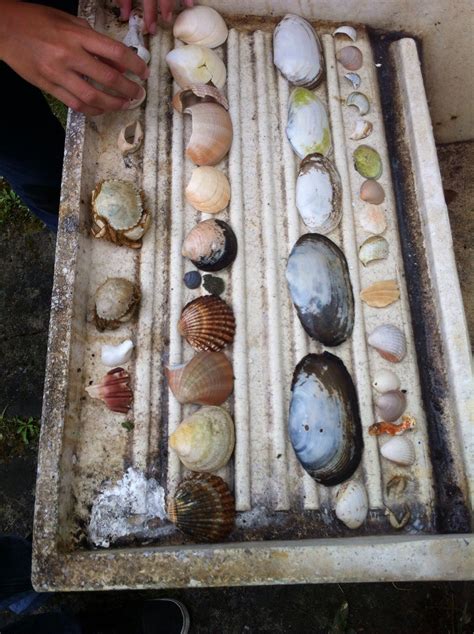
(389, 341)
(198, 93)
(116, 301)
(400, 450)
(192, 279)
(208, 190)
(352, 504)
(367, 162)
(372, 219)
(130, 138)
(211, 245)
(207, 379)
(381, 294)
(193, 64)
(204, 441)
(114, 390)
(350, 57)
(385, 381)
(134, 37)
(297, 52)
(118, 214)
(319, 194)
(374, 248)
(207, 323)
(320, 288)
(391, 405)
(359, 101)
(349, 31)
(408, 422)
(203, 507)
(308, 126)
(324, 422)
(116, 355)
(213, 284)
(400, 521)
(211, 135)
(354, 80)
(372, 192)
(396, 485)
(362, 130)
(200, 25)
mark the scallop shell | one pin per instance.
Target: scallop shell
(359, 101)
(354, 80)
(208, 190)
(116, 301)
(211, 245)
(381, 294)
(372, 219)
(350, 57)
(362, 130)
(324, 421)
(348, 31)
(389, 341)
(204, 441)
(203, 508)
(352, 504)
(297, 52)
(207, 323)
(400, 450)
(319, 194)
(374, 248)
(308, 125)
(385, 381)
(207, 379)
(114, 390)
(372, 192)
(198, 93)
(130, 138)
(367, 162)
(200, 25)
(391, 405)
(116, 355)
(211, 135)
(193, 64)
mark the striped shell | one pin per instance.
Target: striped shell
(208, 190)
(389, 341)
(352, 504)
(381, 294)
(207, 323)
(400, 450)
(200, 25)
(207, 379)
(203, 508)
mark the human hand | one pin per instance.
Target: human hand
(58, 53)
(150, 11)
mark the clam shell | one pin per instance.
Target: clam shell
(372, 192)
(130, 138)
(391, 405)
(116, 355)
(200, 25)
(359, 101)
(211, 245)
(193, 64)
(324, 422)
(367, 162)
(198, 93)
(116, 301)
(385, 381)
(320, 288)
(354, 80)
(352, 504)
(211, 135)
(207, 323)
(400, 450)
(204, 441)
(349, 31)
(350, 57)
(203, 508)
(372, 219)
(381, 294)
(374, 248)
(208, 190)
(319, 194)
(114, 390)
(308, 126)
(389, 341)
(297, 52)
(207, 379)
(362, 130)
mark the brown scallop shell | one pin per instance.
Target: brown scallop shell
(207, 323)
(207, 379)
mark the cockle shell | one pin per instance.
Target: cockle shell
(352, 504)
(211, 245)
(130, 138)
(324, 422)
(320, 288)
(198, 93)
(203, 508)
(354, 80)
(297, 52)
(208, 190)
(367, 162)
(114, 390)
(374, 248)
(362, 130)
(372, 219)
(391, 405)
(308, 126)
(385, 381)
(134, 37)
(400, 450)
(211, 135)
(193, 64)
(319, 194)
(349, 31)
(389, 341)
(207, 379)
(204, 441)
(200, 25)
(116, 355)
(207, 323)
(116, 301)
(381, 294)
(372, 192)
(350, 57)
(359, 101)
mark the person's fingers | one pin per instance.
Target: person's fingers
(125, 8)
(109, 77)
(93, 97)
(117, 53)
(188, 3)
(72, 101)
(150, 11)
(166, 6)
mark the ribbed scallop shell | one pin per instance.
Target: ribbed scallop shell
(389, 341)
(203, 508)
(114, 390)
(391, 405)
(200, 25)
(207, 323)
(211, 135)
(207, 379)
(400, 450)
(208, 190)
(211, 245)
(352, 504)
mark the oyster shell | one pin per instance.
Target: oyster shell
(372, 219)
(130, 138)
(362, 130)
(116, 301)
(348, 31)
(359, 101)
(381, 294)
(389, 341)
(211, 135)
(200, 25)
(367, 162)
(308, 126)
(400, 450)
(134, 37)
(391, 405)
(320, 288)
(207, 379)
(385, 381)
(114, 390)
(211, 245)
(207, 323)
(350, 57)
(319, 194)
(208, 190)
(116, 355)
(372, 192)
(354, 80)
(374, 248)
(204, 441)
(297, 52)
(352, 504)
(193, 64)
(324, 422)
(203, 508)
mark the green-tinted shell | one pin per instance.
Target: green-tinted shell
(119, 203)
(367, 162)
(308, 126)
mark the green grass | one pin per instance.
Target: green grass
(17, 433)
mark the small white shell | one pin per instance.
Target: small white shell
(193, 64)
(200, 25)
(362, 129)
(352, 504)
(389, 341)
(113, 356)
(130, 138)
(354, 79)
(372, 219)
(400, 450)
(134, 37)
(359, 101)
(385, 381)
(346, 30)
(373, 249)
(391, 405)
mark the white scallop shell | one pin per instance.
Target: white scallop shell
(201, 25)
(346, 30)
(208, 190)
(389, 341)
(352, 504)
(385, 381)
(400, 450)
(193, 64)
(113, 356)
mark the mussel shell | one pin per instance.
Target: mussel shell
(308, 128)
(211, 245)
(320, 288)
(207, 323)
(324, 422)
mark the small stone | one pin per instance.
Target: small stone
(192, 279)
(213, 284)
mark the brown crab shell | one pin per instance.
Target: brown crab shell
(116, 301)
(114, 390)
(207, 379)
(203, 508)
(207, 323)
